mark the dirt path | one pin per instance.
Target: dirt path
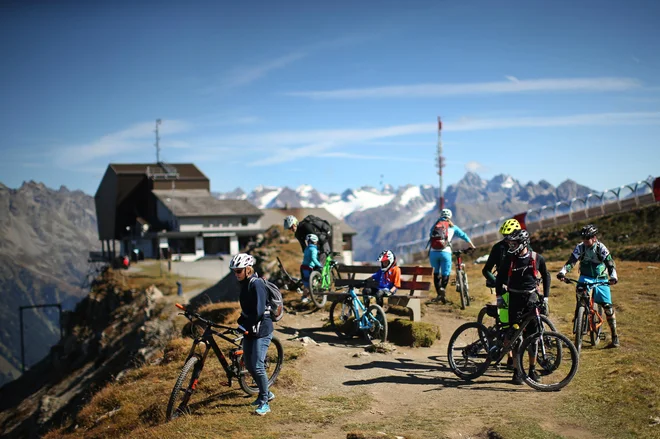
(412, 389)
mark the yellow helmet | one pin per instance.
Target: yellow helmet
(509, 226)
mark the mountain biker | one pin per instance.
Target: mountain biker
(495, 258)
(388, 278)
(440, 253)
(255, 320)
(518, 274)
(596, 264)
(311, 225)
(309, 262)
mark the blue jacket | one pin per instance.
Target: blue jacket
(311, 256)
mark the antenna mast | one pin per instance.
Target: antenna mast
(440, 164)
(158, 122)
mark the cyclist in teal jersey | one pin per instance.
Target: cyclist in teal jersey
(596, 264)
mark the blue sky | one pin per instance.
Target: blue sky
(333, 94)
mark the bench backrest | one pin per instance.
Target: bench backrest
(412, 284)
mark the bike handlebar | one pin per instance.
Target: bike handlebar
(460, 251)
(568, 280)
(190, 315)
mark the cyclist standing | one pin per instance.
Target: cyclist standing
(442, 232)
(309, 262)
(596, 264)
(519, 274)
(311, 225)
(255, 319)
(388, 278)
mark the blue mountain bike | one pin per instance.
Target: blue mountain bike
(349, 317)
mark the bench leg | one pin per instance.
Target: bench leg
(415, 310)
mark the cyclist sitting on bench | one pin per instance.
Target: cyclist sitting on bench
(388, 278)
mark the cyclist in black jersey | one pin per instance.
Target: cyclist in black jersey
(519, 274)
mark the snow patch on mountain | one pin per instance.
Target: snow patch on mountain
(410, 194)
(357, 200)
(422, 212)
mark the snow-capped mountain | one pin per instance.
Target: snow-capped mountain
(389, 216)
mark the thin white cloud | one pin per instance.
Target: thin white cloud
(244, 75)
(512, 85)
(474, 166)
(353, 156)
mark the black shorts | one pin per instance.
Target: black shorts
(519, 304)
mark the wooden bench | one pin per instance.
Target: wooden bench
(412, 301)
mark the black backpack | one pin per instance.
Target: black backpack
(319, 224)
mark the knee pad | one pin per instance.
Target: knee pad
(609, 310)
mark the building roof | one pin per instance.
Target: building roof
(185, 170)
(200, 202)
(276, 216)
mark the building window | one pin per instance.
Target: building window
(347, 242)
(206, 223)
(244, 221)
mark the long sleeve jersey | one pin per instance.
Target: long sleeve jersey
(451, 232)
(522, 276)
(594, 261)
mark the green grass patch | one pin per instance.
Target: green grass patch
(416, 334)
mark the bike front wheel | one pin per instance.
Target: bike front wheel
(553, 358)
(377, 329)
(459, 288)
(466, 288)
(316, 290)
(579, 327)
(272, 365)
(597, 325)
(467, 351)
(342, 318)
(183, 389)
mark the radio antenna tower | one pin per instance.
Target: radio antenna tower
(440, 164)
(158, 122)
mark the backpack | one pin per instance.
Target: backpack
(440, 235)
(533, 256)
(275, 302)
(319, 224)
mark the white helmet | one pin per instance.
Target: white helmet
(388, 257)
(242, 260)
(446, 214)
(312, 238)
(289, 221)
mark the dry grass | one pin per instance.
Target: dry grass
(153, 272)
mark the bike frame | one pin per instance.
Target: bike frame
(586, 300)
(360, 310)
(526, 320)
(326, 272)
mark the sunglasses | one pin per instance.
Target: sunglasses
(238, 270)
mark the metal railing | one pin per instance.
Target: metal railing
(623, 198)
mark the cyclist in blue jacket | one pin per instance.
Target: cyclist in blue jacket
(309, 263)
(442, 232)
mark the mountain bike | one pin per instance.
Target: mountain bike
(588, 318)
(473, 347)
(349, 317)
(322, 282)
(188, 379)
(461, 281)
(286, 281)
(489, 316)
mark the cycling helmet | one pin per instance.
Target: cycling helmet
(388, 257)
(242, 260)
(509, 226)
(290, 221)
(446, 214)
(589, 231)
(518, 240)
(311, 238)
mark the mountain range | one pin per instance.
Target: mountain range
(45, 239)
(388, 216)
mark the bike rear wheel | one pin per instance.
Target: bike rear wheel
(377, 330)
(335, 275)
(272, 364)
(342, 318)
(595, 335)
(556, 359)
(183, 389)
(467, 351)
(578, 327)
(316, 290)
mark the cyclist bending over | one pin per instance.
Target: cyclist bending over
(442, 232)
(595, 259)
(519, 274)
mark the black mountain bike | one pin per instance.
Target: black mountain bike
(188, 379)
(461, 281)
(473, 347)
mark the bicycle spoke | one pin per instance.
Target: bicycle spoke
(548, 362)
(468, 351)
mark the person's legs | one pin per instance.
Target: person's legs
(603, 296)
(435, 261)
(445, 270)
(258, 356)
